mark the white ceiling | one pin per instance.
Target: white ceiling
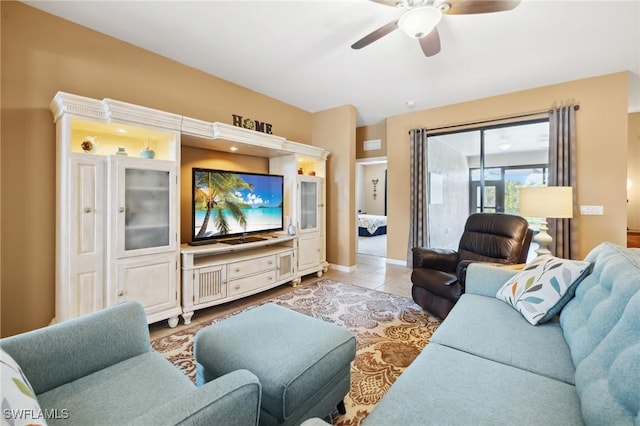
(299, 51)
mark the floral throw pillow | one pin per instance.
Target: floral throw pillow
(543, 287)
(19, 403)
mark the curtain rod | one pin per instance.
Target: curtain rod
(491, 120)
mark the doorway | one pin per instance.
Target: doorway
(371, 206)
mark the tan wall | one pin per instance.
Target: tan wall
(43, 54)
(366, 133)
(334, 129)
(633, 173)
(601, 152)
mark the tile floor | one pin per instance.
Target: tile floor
(371, 272)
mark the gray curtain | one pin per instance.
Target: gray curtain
(562, 172)
(418, 217)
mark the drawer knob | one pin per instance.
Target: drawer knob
(87, 209)
(237, 287)
(237, 269)
(121, 293)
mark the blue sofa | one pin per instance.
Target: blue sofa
(99, 369)
(487, 365)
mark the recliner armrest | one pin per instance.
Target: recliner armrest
(433, 258)
(461, 270)
(232, 399)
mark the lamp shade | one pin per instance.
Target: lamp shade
(420, 21)
(547, 202)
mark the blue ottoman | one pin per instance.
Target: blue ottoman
(303, 363)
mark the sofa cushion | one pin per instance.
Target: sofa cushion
(17, 395)
(448, 386)
(543, 287)
(487, 327)
(602, 327)
(104, 397)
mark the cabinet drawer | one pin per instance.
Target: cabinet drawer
(252, 283)
(252, 266)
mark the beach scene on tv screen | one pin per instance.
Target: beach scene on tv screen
(228, 203)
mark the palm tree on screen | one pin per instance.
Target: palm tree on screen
(215, 192)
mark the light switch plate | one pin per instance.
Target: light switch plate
(592, 210)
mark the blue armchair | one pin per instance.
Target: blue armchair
(100, 369)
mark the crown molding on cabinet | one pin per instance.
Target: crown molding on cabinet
(109, 110)
(196, 133)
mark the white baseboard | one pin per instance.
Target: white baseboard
(342, 268)
(396, 262)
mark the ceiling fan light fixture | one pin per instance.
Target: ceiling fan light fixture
(419, 22)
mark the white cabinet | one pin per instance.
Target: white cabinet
(144, 194)
(144, 237)
(150, 280)
(205, 284)
(304, 205)
(308, 253)
(84, 237)
(309, 201)
(219, 273)
(286, 265)
(311, 225)
(117, 216)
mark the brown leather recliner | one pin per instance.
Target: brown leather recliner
(438, 275)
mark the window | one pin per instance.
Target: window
(502, 186)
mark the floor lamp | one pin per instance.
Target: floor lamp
(546, 202)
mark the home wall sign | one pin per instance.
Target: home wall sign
(247, 123)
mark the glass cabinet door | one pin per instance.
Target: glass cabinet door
(145, 217)
(308, 205)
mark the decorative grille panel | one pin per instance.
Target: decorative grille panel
(211, 284)
(285, 264)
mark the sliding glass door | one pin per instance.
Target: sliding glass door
(481, 170)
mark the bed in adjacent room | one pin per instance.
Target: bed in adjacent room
(370, 225)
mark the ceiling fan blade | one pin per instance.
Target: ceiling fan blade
(430, 43)
(392, 3)
(468, 7)
(375, 35)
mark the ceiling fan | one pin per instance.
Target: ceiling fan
(421, 17)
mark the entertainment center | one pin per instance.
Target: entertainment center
(118, 215)
(219, 273)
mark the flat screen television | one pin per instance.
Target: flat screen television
(228, 204)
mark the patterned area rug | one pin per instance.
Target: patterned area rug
(390, 332)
